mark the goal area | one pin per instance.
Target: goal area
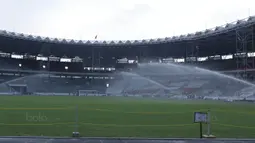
(88, 93)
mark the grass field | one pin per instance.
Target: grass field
(121, 117)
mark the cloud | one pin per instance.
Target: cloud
(119, 19)
(133, 15)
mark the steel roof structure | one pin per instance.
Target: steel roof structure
(193, 36)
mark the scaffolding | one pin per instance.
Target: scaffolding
(244, 44)
(192, 53)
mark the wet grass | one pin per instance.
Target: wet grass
(120, 117)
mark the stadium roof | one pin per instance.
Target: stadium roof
(193, 36)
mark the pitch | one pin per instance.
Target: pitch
(121, 117)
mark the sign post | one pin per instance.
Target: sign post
(201, 130)
(208, 123)
(209, 135)
(76, 133)
(203, 117)
(200, 117)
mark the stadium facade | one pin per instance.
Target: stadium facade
(34, 64)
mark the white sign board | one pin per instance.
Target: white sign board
(200, 117)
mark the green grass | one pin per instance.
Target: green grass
(121, 117)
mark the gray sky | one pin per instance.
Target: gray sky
(119, 19)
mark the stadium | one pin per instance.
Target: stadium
(141, 88)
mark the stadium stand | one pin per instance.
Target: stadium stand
(158, 67)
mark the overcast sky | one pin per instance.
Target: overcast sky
(119, 19)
